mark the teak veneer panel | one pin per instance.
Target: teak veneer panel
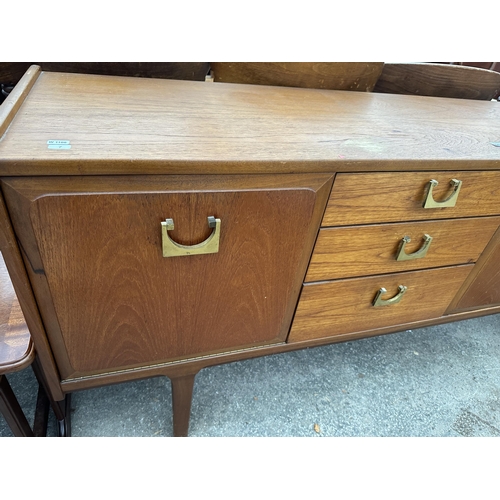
(80, 229)
(345, 306)
(345, 252)
(365, 198)
(113, 301)
(138, 126)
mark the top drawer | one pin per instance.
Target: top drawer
(366, 198)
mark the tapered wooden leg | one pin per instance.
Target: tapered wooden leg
(182, 394)
(64, 416)
(12, 411)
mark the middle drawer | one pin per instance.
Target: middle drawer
(344, 252)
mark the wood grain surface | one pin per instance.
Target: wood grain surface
(439, 80)
(130, 125)
(345, 306)
(364, 198)
(16, 347)
(367, 250)
(360, 76)
(114, 309)
(110, 300)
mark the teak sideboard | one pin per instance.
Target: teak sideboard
(156, 227)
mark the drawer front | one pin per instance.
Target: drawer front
(346, 306)
(111, 300)
(346, 252)
(366, 198)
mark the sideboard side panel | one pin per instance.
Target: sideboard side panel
(482, 287)
(15, 266)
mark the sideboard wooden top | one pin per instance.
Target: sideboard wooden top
(130, 125)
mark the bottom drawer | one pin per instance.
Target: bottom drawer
(346, 306)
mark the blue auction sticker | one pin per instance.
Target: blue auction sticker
(58, 144)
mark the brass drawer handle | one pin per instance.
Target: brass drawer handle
(449, 202)
(378, 301)
(173, 249)
(419, 254)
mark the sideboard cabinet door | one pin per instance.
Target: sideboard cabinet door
(111, 300)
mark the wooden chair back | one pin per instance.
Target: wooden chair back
(439, 80)
(361, 76)
(12, 72)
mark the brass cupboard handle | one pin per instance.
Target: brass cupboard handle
(419, 254)
(449, 202)
(173, 249)
(378, 301)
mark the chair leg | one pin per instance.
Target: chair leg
(41, 413)
(62, 409)
(182, 394)
(11, 410)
